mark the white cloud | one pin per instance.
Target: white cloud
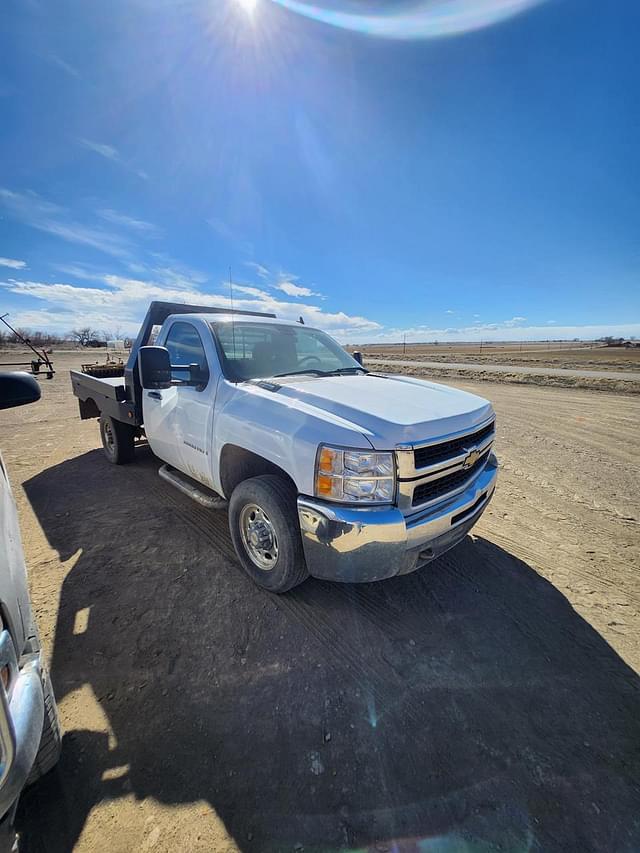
(292, 289)
(13, 264)
(515, 321)
(101, 148)
(169, 271)
(250, 291)
(259, 269)
(31, 209)
(129, 222)
(449, 311)
(28, 205)
(108, 299)
(283, 281)
(110, 152)
(124, 301)
(95, 238)
(77, 271)
(64, 65)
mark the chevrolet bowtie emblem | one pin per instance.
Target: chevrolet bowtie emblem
(471, 459)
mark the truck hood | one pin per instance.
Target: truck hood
(390, 410)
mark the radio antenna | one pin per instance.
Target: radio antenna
(233, 323)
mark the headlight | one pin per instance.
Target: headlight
(352, 476)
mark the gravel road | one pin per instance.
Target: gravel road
(490, 702)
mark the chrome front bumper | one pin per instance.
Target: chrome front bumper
(368, 544)
(21, 720)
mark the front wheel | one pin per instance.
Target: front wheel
(50, 742)
(264, 528)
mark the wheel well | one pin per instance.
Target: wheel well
(238, 464)
(88, 409)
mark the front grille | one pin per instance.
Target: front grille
(437, 488)
(433, 453)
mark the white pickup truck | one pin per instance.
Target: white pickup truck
(328, 470)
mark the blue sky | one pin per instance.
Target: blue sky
(444, 169)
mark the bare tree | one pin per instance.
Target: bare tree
(46, 338)
(15, 337)
(113, 334)
(37, 337)
(84, 335)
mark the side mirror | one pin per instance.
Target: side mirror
(17, 389)
(198, 376)
(358, 357)
(155, 367)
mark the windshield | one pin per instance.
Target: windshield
(260, 350)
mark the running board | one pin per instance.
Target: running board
(201, 494)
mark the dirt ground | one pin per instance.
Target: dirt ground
(489, 702)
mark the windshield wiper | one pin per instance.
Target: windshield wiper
(315, 372)
(312, 370)
(345, 370)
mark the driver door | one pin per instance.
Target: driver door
(179, 420)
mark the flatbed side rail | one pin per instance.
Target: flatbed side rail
(98, 386)
(96, 397)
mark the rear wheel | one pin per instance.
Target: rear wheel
(117, 440)
(264, 528)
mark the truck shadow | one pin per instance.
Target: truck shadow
(464, 707)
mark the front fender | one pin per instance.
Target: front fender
(285, 432)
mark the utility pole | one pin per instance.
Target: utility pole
(404, 344)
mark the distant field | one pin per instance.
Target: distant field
(570, 355)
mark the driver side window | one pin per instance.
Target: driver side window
(186, 348)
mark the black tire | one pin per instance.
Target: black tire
(50, 743)
(276, 498)
(117, 440)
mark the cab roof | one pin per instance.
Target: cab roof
(215, 319)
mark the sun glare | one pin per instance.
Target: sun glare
(249, 6)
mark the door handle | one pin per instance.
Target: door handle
(155, 395)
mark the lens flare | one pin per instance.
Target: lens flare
(249, 6)
(419, 19)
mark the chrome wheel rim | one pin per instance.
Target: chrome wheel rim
(108, 436)
(258, 537)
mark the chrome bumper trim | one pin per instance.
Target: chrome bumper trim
(21, 720)
(354, 544)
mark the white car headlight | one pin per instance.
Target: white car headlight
(355, 476)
